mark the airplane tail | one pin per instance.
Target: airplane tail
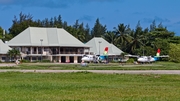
(158, 53)
(105, 54)
(106, 51)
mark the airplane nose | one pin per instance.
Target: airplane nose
(153, 59)
(141, 60)
(84, 59)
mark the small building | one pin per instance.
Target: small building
(54, 44)
(98, 44)
(4, 48)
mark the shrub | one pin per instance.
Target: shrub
(174, 53)
(46, 61)
(131, 60)
(24, 61)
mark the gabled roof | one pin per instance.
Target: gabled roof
(50, 36)
(99, 43)
(4, 48)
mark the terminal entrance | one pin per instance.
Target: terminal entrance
(63, 59)
(71, 58)
(79, 59)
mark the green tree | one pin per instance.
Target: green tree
(65, 25)
(77, 31)
(153, 26)
(87, 33)
(81, 33)
(122, 33)
(174, 52)
(145, 51)
(5, 37)
(162, 33)
(21, 24)
(13, 53)
(137, 39)
(59, 23)
(175, 39)
(51, 22)
(1, 33)
(162, 44)
(111, 37)
(98, 30)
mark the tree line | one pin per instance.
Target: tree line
(138, 41)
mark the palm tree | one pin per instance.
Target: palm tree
(137, 40)
(13, 53)
(111, 37)
(122, 35)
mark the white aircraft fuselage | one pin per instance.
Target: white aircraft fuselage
(93, 58)
(88, 58)
(144, 59)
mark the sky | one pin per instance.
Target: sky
(110, 12)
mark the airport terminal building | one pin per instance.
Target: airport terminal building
(98, 45)
(54, 44)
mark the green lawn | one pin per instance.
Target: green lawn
(110, 66)
(84, 86)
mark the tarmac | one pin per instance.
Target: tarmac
(99, 71)
(93, 71)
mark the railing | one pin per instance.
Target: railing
(71, 53)
(50, 53)
(34, 52)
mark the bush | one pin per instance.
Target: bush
(46, 61)
(174, 53)
(114, 61)
(25, 61)
(131, 60)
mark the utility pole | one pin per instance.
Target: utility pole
(99, 47)
(41, 48)
(3, 33)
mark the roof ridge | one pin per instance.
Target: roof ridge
(46, 27)
(47, 36)
(30, 35)
(57, 36)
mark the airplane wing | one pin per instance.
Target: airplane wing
(163, 56)
(132, 55)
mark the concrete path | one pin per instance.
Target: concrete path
(7, 64)
(101, 71)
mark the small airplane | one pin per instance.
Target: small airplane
(96, 58)
(150, 59)
(89, 58)
(144, 59)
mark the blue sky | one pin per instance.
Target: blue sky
(110, 12)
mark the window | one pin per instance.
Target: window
(3, 58)
(34, 49)
(46, 49)
(33, 58)
(18, 48)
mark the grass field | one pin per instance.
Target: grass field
(110, 66)
(84, 86)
